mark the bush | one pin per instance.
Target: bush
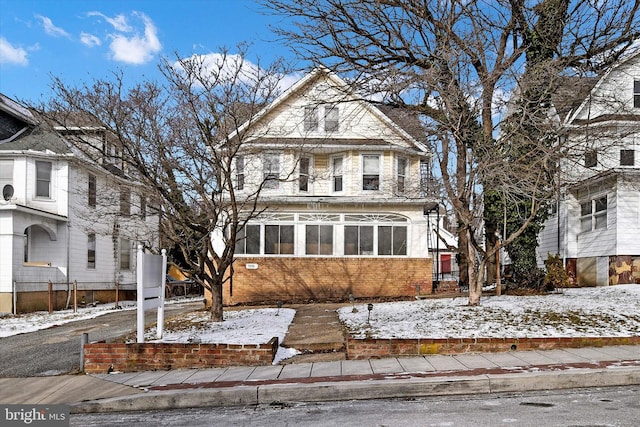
(556, 276)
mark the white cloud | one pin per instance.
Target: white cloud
(12, 55)
(89, 39)
(119, 22)
(226, 67)
(50, 28)
(136, 49)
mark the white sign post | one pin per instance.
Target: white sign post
(151, 272)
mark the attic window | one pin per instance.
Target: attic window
(331, 122)
(636, 94)
(310, 118)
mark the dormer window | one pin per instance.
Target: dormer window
(43, 179)
(636, 94)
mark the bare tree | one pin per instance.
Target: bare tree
(454, 62)
(179, 138)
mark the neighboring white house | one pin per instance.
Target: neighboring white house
(63, 218)
(596, 228)
(345, 197)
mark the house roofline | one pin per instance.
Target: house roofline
(33, 211)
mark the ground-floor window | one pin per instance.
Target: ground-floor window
(593, 214)
(325, 234)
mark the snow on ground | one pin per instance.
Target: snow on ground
(251, 326)
(580, 312)
(577, 312)
(35, 321)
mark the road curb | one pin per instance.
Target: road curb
(364, 389)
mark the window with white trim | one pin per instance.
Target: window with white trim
(636, 94)
(91, 251)
(278, 239)
(358, 240)
(125, 254)
(310, 118)
(318, 239)
(43, 179)
(304, 172)
(6, 173)
(337, 172)
(371, 172)
(248, 240)
(401, 174)
(125, 201)
(331, 118)
(91, 190)
(593, 214)
(271, 170)
(392, 240)
(239, 172)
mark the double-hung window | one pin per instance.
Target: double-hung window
(92, 191)
(593, 214)
(125, 201)
(636, 94)
(91, 251)
(125, 254)
(310, 118)
(590, 159)
(337, 171)
(6, 173)
(305, 170)
(43, 179)
(239, 172)
(331, 118)
(401, 174)
(271, 170)
(371, 172)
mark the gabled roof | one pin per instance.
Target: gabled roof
(586, 100)
(404, 122)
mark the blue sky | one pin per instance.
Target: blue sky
(80, 40)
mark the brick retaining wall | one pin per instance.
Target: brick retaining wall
(379, 348)
(100, 356)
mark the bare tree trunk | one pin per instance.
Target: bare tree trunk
(475, 273)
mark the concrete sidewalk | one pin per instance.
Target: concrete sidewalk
(335, 380)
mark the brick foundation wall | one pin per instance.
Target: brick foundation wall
(379, 348)
(326, 279)
(99, 357)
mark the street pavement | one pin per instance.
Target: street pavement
(313, 381)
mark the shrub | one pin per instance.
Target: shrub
(556, 276)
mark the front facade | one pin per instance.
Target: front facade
(596, 228)
(344, 199)
(63, 219)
